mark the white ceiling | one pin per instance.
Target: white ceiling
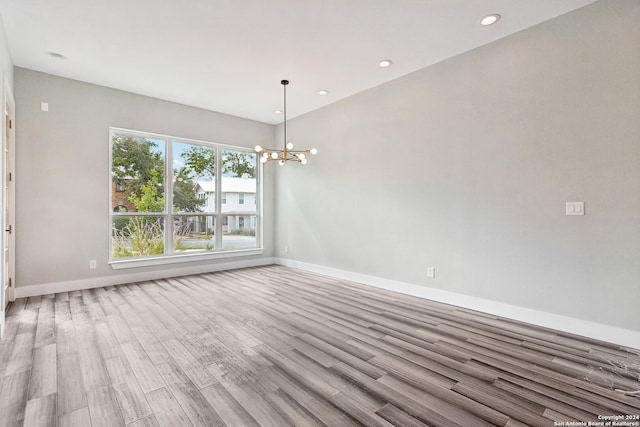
(230, 55)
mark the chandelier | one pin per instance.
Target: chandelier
(287, 154)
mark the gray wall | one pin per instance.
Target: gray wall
(63, 170)
(467, 165)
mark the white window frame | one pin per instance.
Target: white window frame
(170, 258)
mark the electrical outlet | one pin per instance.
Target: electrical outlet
(93, 264)
(286, 249)
(431, 272)
(574, 208)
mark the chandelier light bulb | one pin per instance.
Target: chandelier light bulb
(301, 156)
(258, 148)
(274, 155)
(281, 162)
(303, 161)
(263, 160)
(289, 146)
(313, 151)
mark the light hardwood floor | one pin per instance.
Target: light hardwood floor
(273, 346)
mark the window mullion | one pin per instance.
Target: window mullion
(258, 202)
(168, 198)
(218, 194)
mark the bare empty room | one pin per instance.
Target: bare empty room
(320, 213)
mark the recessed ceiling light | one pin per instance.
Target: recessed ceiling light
(323, 92)
(385, 63)
(490, 19)
(277, 112)
(57, 56)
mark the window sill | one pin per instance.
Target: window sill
(182, 258)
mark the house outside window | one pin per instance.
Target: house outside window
(178, 197)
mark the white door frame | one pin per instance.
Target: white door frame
(8, 108)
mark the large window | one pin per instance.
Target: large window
(170, 194)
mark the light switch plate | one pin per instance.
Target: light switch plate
(575, 208)
(44, 106)
(431, 272)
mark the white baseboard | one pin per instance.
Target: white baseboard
(97, 282)
(620, 336)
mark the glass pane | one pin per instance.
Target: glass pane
(193, 233)
(194, 170)
(239, 181)
(137, 236)
(137, 174)
(239, 232)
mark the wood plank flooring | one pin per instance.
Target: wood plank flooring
(273, 346)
